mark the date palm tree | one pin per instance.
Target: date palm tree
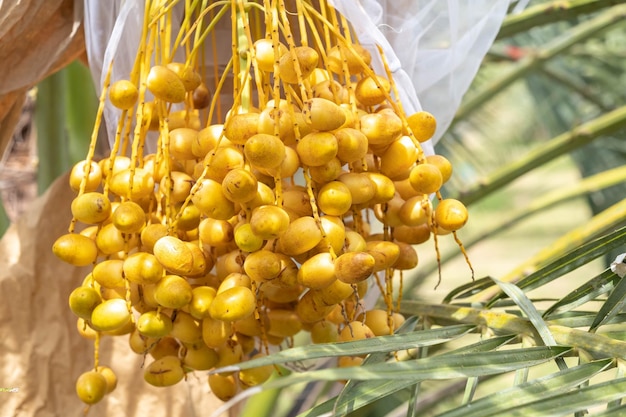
(530, 341)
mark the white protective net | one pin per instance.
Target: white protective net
(434, 47)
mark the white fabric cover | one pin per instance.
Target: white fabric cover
(434, 47)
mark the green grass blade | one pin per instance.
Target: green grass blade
(360, 347)
(612, 306)
(571, 402)
(590, 290)
(550, 385)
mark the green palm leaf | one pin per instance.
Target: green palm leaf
(360, 347)
(569, 403)
(357, 394)
(460, 365)
(589, 291)
(612, 306)
(548, 386)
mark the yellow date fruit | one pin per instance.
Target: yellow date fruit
(175, 256)
(354, 267)
(451, 214)
(91, 208)
(165, 84)
(75, 249)
(233, 304)
(173, 291)
(164, 372)
(110, 315)
(123, 94)
(91, 387)
(304, 62)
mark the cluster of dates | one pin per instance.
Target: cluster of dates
(238, 234)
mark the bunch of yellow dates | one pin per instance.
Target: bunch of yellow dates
(237, 232)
